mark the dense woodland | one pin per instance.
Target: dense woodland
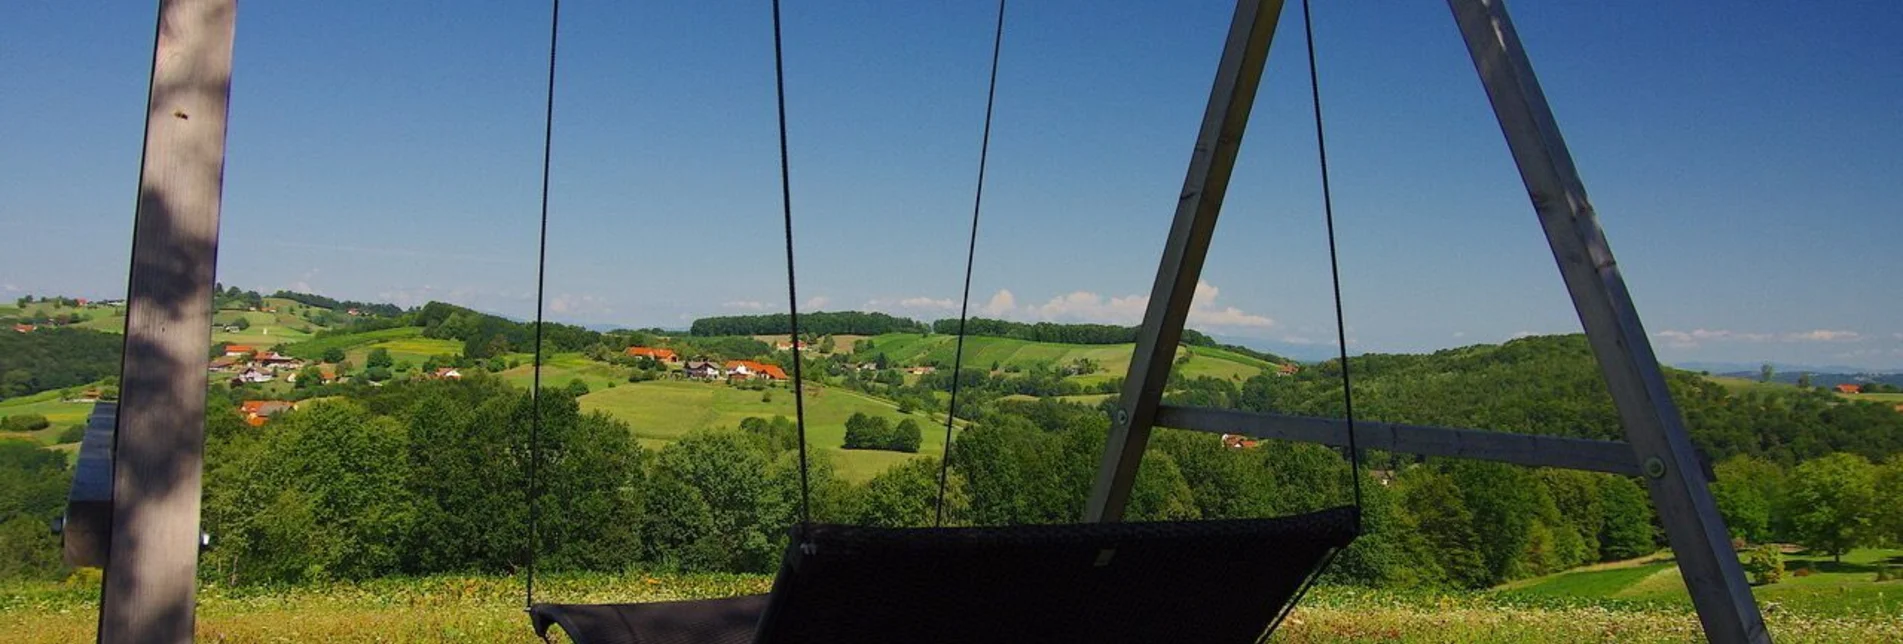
(56, 358)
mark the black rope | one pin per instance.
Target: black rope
(971, 254)
(1334, 265)
(792, 290)
(1314, 574)
(541, 280)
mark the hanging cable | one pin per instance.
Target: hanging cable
(1334, 265)
(971, 254)
(792, 289)
(541, 279)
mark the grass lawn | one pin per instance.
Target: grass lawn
(1881, 398)
(1832, 589)
(560, 368)
(489, 609)
(665, 410)
(403, 343)
(46, 403)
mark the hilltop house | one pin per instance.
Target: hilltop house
(251, 375)
(787, 345)
(748, 369)
(1287, 369)
(701, 370)
(235, 350)
(1849, 389)
(257, 411)
(447, 373)
(663, 355)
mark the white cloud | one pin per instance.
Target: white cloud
(1460, 334)
(1298, 339)
(10, 288)
(579, 304)
(1091, 307)
(1521, 334)
(923, 302)
(749, 305)
(1203, 311)
(1002, 302)
(1696, 337)
(1823, 335)
(817, 302)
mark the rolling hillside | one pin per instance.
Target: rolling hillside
(1113, 360)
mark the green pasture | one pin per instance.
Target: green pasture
(1113, 360)
(669, 409)
(1829, 588)
(46, 403)
(560, 368)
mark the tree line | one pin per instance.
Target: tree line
(56, 358)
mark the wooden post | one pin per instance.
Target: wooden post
(1210, 164)
(1652, 422)
(152, 562)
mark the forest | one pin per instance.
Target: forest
(56, 358)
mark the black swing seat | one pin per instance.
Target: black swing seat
(1178, 581)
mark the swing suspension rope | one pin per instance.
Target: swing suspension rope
(1334, 264)
(971, 253)
(541, 280)
(792, 283)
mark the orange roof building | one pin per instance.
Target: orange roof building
(663, 355)
(239, 349)
(1850, 389)
(751, 369)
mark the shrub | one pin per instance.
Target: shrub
(72, 434)
(1889, 573)
(1803, 572)
(1766, 565)
(24, 423)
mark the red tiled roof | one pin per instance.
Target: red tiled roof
(1850, 389)
(239, 348)
(651, 352)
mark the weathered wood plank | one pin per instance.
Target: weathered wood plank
(1237, 75)
(1521, 449)
(1652, 421)
(152, 564)
(88, 522)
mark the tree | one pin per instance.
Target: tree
(1628, 530)
(24, 423)
(906, 495)
(1803, 380)
(1765, 564)
(906, 437)
(309, 376)
(1766, 372)
(1435, 506)
(1889, 485)
(379, 357)
(377, 374)
(1746, 492)
(867, 432)
(335, 355)
(575, 388)
(1830, 502)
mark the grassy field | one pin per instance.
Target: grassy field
(560, 368)
(489, 609)
(403, 343)
(1830, 589)
(664, 410)
(1113, 359)
(46, 403)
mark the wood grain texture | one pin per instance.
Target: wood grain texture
(151, 570)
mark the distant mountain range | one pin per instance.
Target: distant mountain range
(1752, 368)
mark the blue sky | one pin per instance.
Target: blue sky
(1742, 163)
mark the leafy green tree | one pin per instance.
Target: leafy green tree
(335, 355)
(377, 374)
(24, 423)
(906, 437)
(1434, 504)
(242, 323)
(746, 516)
(1830, 501)
(1889, 516)
(1628, 531)
(1766, 372)
(310, 376)
(868, 432)
(1747, 491)
(906, 495)
(1505, 500)
(575, 388)
(1765, 564)
(379, 357)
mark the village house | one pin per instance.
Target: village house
(1287, 369)
(1850, 389)
(224, 364)
(447, 373)
(701, 370)
(251, 375)
(785, 345)
(23, 328)
(1237, 441)
(663, 355)
(748, 369)
(922, 370)
(256, 412)
(275, 360)
(237, 350)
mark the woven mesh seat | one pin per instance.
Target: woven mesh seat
(1197, 581)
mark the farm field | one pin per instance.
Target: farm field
(1113, 359)
(46, 403)
(1830, 589)
(489, 609)
(403, 343)
(664, 410)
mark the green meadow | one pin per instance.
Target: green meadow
(1113, 360)
(59, 413)
(1812, 584)
(664, 410)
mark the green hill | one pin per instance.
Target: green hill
(1112, 360)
